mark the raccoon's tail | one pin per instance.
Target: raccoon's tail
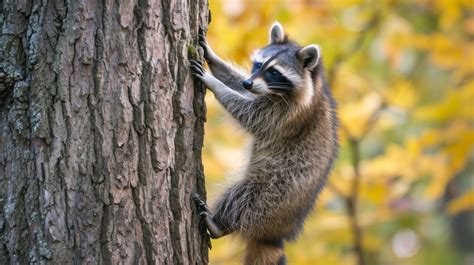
(264, 252)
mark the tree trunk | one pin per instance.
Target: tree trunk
(101, 131)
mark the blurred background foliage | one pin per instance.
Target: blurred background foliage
(402, 191)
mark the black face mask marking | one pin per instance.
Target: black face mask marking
(259, 68)
(277, 82)
(274, 79)
(272, 74)
(256, 66)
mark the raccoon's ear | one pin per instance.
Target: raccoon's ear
(276, 33)
(309, 55)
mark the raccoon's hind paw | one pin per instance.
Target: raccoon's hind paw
(215, 231)
(203, 212)
(201, 206)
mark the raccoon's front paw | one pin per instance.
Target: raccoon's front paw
(200, 73)
(197, 69)
(203, 44)
(209, 54)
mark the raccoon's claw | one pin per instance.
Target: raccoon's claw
(195, 63)
(198, 72)
(202, 36)
(197, 69)
(204, 47)
(201, 205)
(203, 43)
(204, 214)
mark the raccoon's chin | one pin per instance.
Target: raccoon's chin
(260, 90)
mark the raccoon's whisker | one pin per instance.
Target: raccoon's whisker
(283, 89)
(280, 83)
(288, 86)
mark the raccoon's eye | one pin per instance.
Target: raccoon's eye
(274, 72)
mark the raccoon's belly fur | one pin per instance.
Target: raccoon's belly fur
(276, 196)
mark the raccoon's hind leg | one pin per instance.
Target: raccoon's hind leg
(203, 211)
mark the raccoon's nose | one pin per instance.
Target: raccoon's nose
(247, 84)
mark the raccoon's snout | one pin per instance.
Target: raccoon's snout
(247, 84)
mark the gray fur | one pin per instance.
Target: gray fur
(276, 33)
(294, 145)
(309, 55)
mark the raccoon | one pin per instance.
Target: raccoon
(289, 111)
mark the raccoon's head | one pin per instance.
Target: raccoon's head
(284, 68)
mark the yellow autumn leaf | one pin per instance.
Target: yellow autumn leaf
(456, 104)
(348, 85)
(355, 117)
(374, 191)
(402, 94)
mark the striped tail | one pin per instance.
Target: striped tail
(268, 252)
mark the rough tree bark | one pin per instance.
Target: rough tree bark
(101, 131)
